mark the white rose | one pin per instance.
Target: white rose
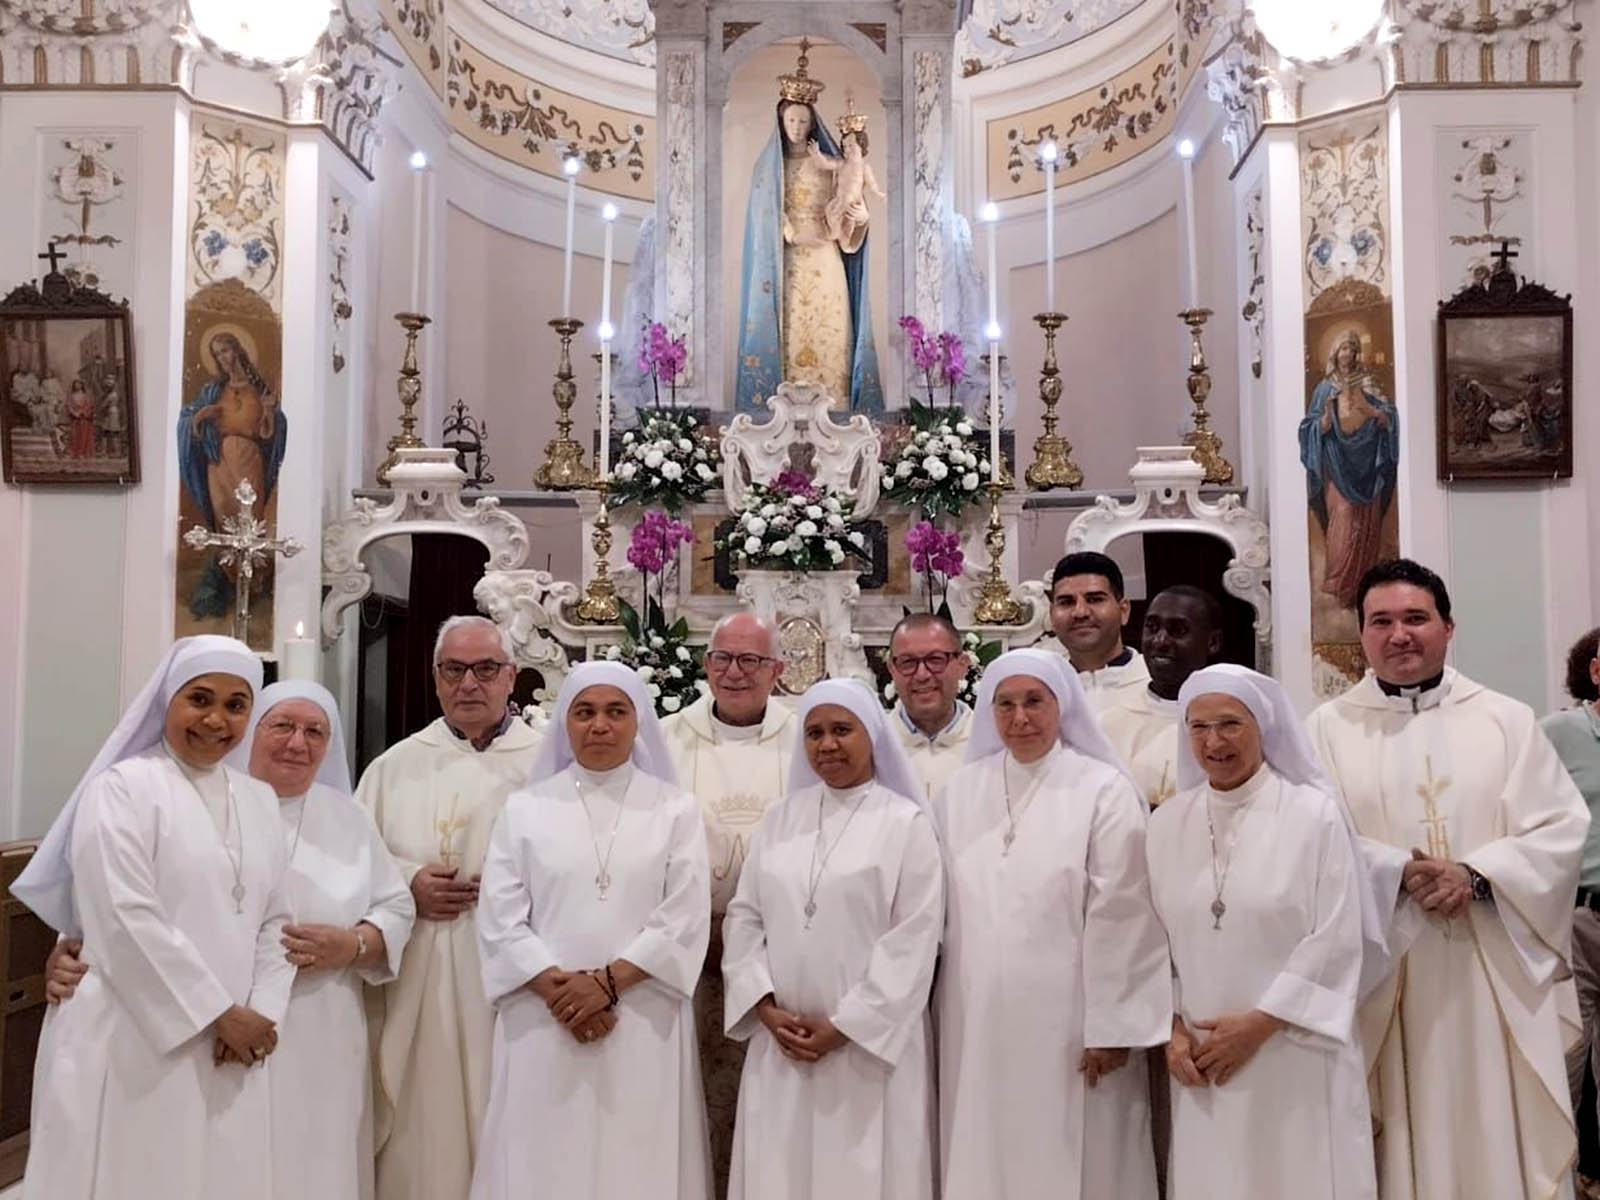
(814, 511)
(672, 471)
(752, 545)
(769, 510)
(675, 672)
(832, 547)
(797, 501)
(905, 468)
(807, 529)
(655, 691)
(964, 428)
(672, 703)
(705, 472)
(684, 655)
(888, 691)
(645, 674)
(837, 556)
(929, 463)
(778, 547)
(627, 471)
(627, 438)
(685, 445)
(756, 526)
(832, 504)
(657, 641)
(858, 539)
(969, 481)
(654, 459)
(613, 653)
(937, 470)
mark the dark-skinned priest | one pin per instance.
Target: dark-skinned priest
(1473, 831)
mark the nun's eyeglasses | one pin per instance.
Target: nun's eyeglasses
(283, 729)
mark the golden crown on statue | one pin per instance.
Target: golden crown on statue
(800, 88)
(852, 121)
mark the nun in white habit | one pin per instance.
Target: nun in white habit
(1055, 966)
(593, 917)
(170, 867)
(1258, 879)
(828, 954)
(351, 914)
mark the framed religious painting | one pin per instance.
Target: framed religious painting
(1505, 381)
(67, 410)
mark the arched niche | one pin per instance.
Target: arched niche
(732, 46)
(1167, 500)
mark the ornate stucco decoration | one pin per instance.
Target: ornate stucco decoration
(103, 42)
(1252, 84)
(346, 80)
(801, 434)
(1508, 43)
(1166, 482)
(622, 29)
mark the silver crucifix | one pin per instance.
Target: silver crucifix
(246, 543)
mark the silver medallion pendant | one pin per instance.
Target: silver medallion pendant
(238, 898)
(1217, 909)
(603, 882)
(810, 911)
(1005, 842)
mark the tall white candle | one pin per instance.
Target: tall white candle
(605, 408)
(609, 215)
(991, 218)
(300, 655)
(419, 236)
(570, 166)
(1186, 153)
(1049, 153)
(994, 403)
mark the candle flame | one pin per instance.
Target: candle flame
(1048, 151)
(571, 164)
(1186, 148)
(608, 213)
(992, 331)
(607, 331)
(419, 161)
(991, 212)
(299, 629)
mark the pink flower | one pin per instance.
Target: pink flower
(654, 540)
(662, 355)
(953, 359)
(792, 483)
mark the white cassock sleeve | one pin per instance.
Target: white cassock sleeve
(746, 974)
(1315, 991)
(510, 951)
(1534, 867)
(671, 948)
(274, 973)
(1127, 970)
(885, 1007)
(391, 910)
(153, 968)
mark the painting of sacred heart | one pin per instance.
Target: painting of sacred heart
(66, 387)
(231, 433)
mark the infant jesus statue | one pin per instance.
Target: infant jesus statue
(846, 213)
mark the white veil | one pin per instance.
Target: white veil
(45, 884)
(335, 768)
(650, 753)
(890, 766)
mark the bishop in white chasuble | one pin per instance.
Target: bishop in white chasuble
(1465, 1040)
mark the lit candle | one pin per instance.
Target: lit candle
(1186, 153)
(300, 655)
(570, 167)
(991, 218)
(1048, 154)
(419, 167)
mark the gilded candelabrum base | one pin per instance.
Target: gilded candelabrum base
(409, 385)
(1204, 441)
(996, 605)
(566, 463)
(599, 605)
(1052, 465)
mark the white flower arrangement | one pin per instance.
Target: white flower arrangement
(941, 466)
(663, 464)
(792, 525)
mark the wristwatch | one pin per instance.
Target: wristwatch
(1482, 889)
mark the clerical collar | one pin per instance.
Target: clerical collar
(488, 739)
(956, 714)
(1161, 703)
(1411, 689)
(722, 731)
(1121, 660)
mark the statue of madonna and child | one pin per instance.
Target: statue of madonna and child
(804, 315)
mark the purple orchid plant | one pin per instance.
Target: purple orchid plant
(651, 547)
(938, 356)
(935, 552)
(663, 357)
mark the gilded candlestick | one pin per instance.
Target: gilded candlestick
(1052, 465)
(599, 605)
(996, 605)
(1204, 440)
(566, 466)
(409, 385)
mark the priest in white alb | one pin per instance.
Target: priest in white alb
(927, 665)
(1468, 814)
(435, 797)
(170, 867)
(592, 927)
(830, 949)
(1260, 884)
(731, 749)
(1055, 966)
(1088, 610)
